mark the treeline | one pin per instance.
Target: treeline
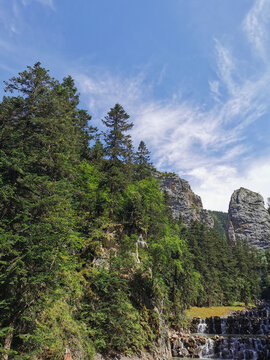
(90, 257)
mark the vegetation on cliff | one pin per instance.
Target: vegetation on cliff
(220, 222)
(90, 257)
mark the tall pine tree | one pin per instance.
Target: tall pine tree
(119, 152)
(117, 141)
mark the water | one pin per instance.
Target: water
(243, 336)
(202, 327)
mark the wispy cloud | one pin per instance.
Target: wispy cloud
(9, 16)
(12, 15)
(255, 26)
(103, 90)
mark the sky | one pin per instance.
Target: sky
(194, 76)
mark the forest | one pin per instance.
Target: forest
(90, 256)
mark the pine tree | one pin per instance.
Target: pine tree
(117, 141)
(119, 153)
(142, 159)
(143, 155)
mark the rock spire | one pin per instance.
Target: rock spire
(248, 220)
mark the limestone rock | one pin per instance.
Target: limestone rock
(248, 220)
(183, 202)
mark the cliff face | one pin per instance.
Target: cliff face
(183, 202)
(248, 220)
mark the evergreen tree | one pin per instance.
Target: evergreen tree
(142, 159)
(143, 155)
(119, 154)
(117, 141)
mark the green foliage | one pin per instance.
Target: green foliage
(43, 139)
(117, 142)
(142, 208)
(114, 322)
(220, 219)
(228, 273)
(142, 160)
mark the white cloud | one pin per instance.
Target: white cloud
(223, 180)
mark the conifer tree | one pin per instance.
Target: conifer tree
(143, 154)
(117, 141)
(119, 153)
(142, 159)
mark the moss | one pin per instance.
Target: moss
(205, 312)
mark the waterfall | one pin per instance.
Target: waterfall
(242, 335)
(202, 327)
(207, 350)
(223, 326)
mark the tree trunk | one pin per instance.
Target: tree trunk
(8, 341)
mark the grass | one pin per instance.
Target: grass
(205, 312)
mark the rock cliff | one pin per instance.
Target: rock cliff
(248, 220)
(182, 200)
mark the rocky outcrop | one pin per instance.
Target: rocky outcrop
(191, 346)
(182, 200)
(248, 220)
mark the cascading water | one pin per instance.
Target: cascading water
(244, 335)
(202, 327)
(207, 350)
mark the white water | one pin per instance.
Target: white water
(207, 350)
(202, 327)
(251, 344)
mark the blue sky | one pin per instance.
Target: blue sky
(193, 75)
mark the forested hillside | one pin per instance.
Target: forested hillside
(90, 256)
(220, 222)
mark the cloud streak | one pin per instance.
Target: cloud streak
(255, 25)
(11, 13)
